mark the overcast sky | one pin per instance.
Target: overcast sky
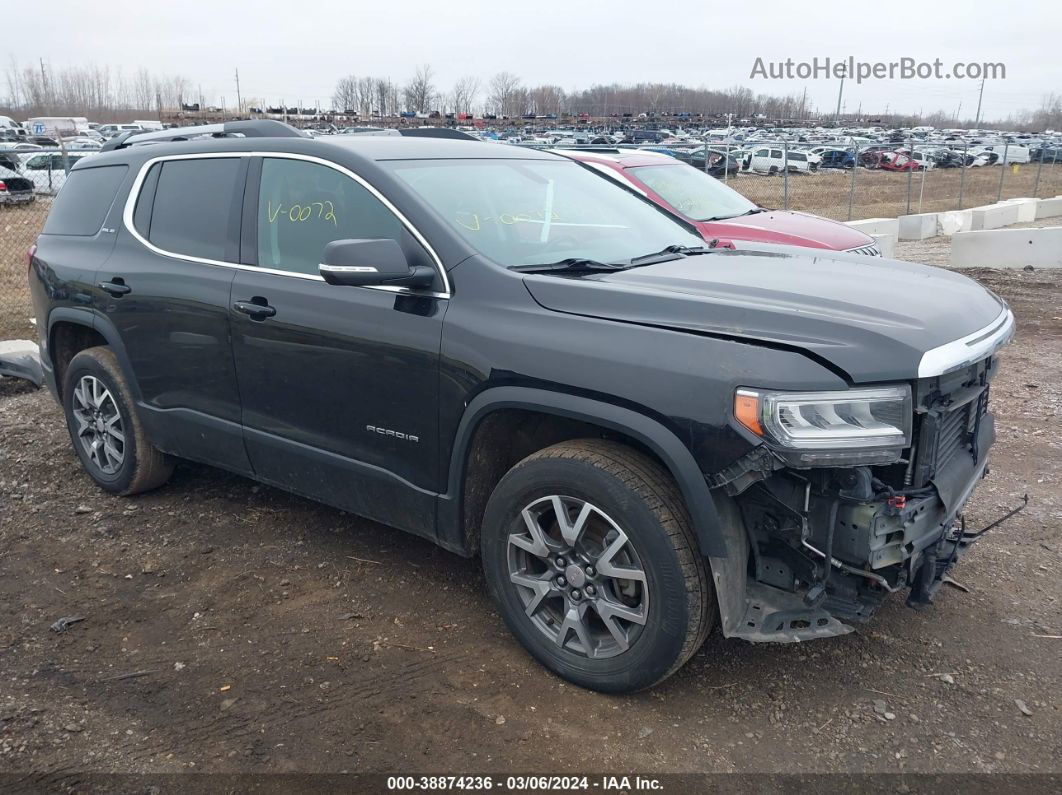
(296, 49)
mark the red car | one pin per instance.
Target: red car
(719, 212)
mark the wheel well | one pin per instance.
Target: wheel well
(68, 340)
(507, 436)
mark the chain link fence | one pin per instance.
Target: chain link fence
(845, 181)
(851, 180)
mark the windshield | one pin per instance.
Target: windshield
(530, 212)
(692, 192)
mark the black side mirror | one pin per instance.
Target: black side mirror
(366, 263)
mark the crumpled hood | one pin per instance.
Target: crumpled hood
(873, 318)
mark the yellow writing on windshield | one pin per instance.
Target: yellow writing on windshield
(473, 222)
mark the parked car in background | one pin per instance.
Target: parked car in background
(718, 212)
(720, 162)
(1007, 154)
(14, 188)
(771, 160)
(924, 160)
(46, 169)
(836, 158)
(1046, 154)
(111, 130)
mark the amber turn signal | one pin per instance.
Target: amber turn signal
(747, 410)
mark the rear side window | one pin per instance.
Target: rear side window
(83, 203)
(193, 208)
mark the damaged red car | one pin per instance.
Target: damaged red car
(719, 213)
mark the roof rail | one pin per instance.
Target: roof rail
(437, 132)
(255, 128)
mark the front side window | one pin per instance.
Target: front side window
(194, 206)
(303, 206)
(534, 212)
(692, 192)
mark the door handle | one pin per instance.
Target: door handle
(117, 287)
(257, 311)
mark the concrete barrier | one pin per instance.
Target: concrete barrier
(1008, 248)
(917, 227)
(886, 244)
(949, 223)
(993, 216)
(877, 226)
(1026, 209)
(1049, 208)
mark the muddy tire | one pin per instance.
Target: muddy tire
(590, 556)
(105, 428)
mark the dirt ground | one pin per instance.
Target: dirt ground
(229, 627)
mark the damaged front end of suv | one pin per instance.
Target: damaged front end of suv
(856, 494)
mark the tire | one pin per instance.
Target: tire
(97, 402)
(637, 514)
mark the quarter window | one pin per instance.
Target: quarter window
(304, 206)
(84, 201)
(193, 208)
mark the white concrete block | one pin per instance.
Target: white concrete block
(886, 244)
(1008, 248)
(954, 221)
(877, 226)
(993, 216)
(1049, 208)
(918, 226)
(1026, 209)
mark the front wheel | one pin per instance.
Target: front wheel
(590, 556)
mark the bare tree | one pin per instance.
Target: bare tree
(419, 93)
(463, 95)
(503, 88)
(143, 89)
(346, 95)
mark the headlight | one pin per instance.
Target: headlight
(857, 426)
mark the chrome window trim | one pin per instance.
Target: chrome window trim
(969, 349)
(134, 194)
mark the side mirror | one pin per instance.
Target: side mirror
(367, 263)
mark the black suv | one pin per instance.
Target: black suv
(495, 349)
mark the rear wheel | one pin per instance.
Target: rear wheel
(589, 554)
(105, 428)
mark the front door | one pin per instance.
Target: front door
(339, 385)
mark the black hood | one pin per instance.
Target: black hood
(870, 317)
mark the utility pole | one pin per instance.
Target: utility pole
(239, 101)
(840, 92)
(980, 94)
(44, 86)
(803, 100)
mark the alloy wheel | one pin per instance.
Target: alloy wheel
(579, 577)
(100, 428)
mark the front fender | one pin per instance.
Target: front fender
(665, 444)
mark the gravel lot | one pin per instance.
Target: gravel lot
(229, 627)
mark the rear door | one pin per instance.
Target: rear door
(166, 291)
(339, 384)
